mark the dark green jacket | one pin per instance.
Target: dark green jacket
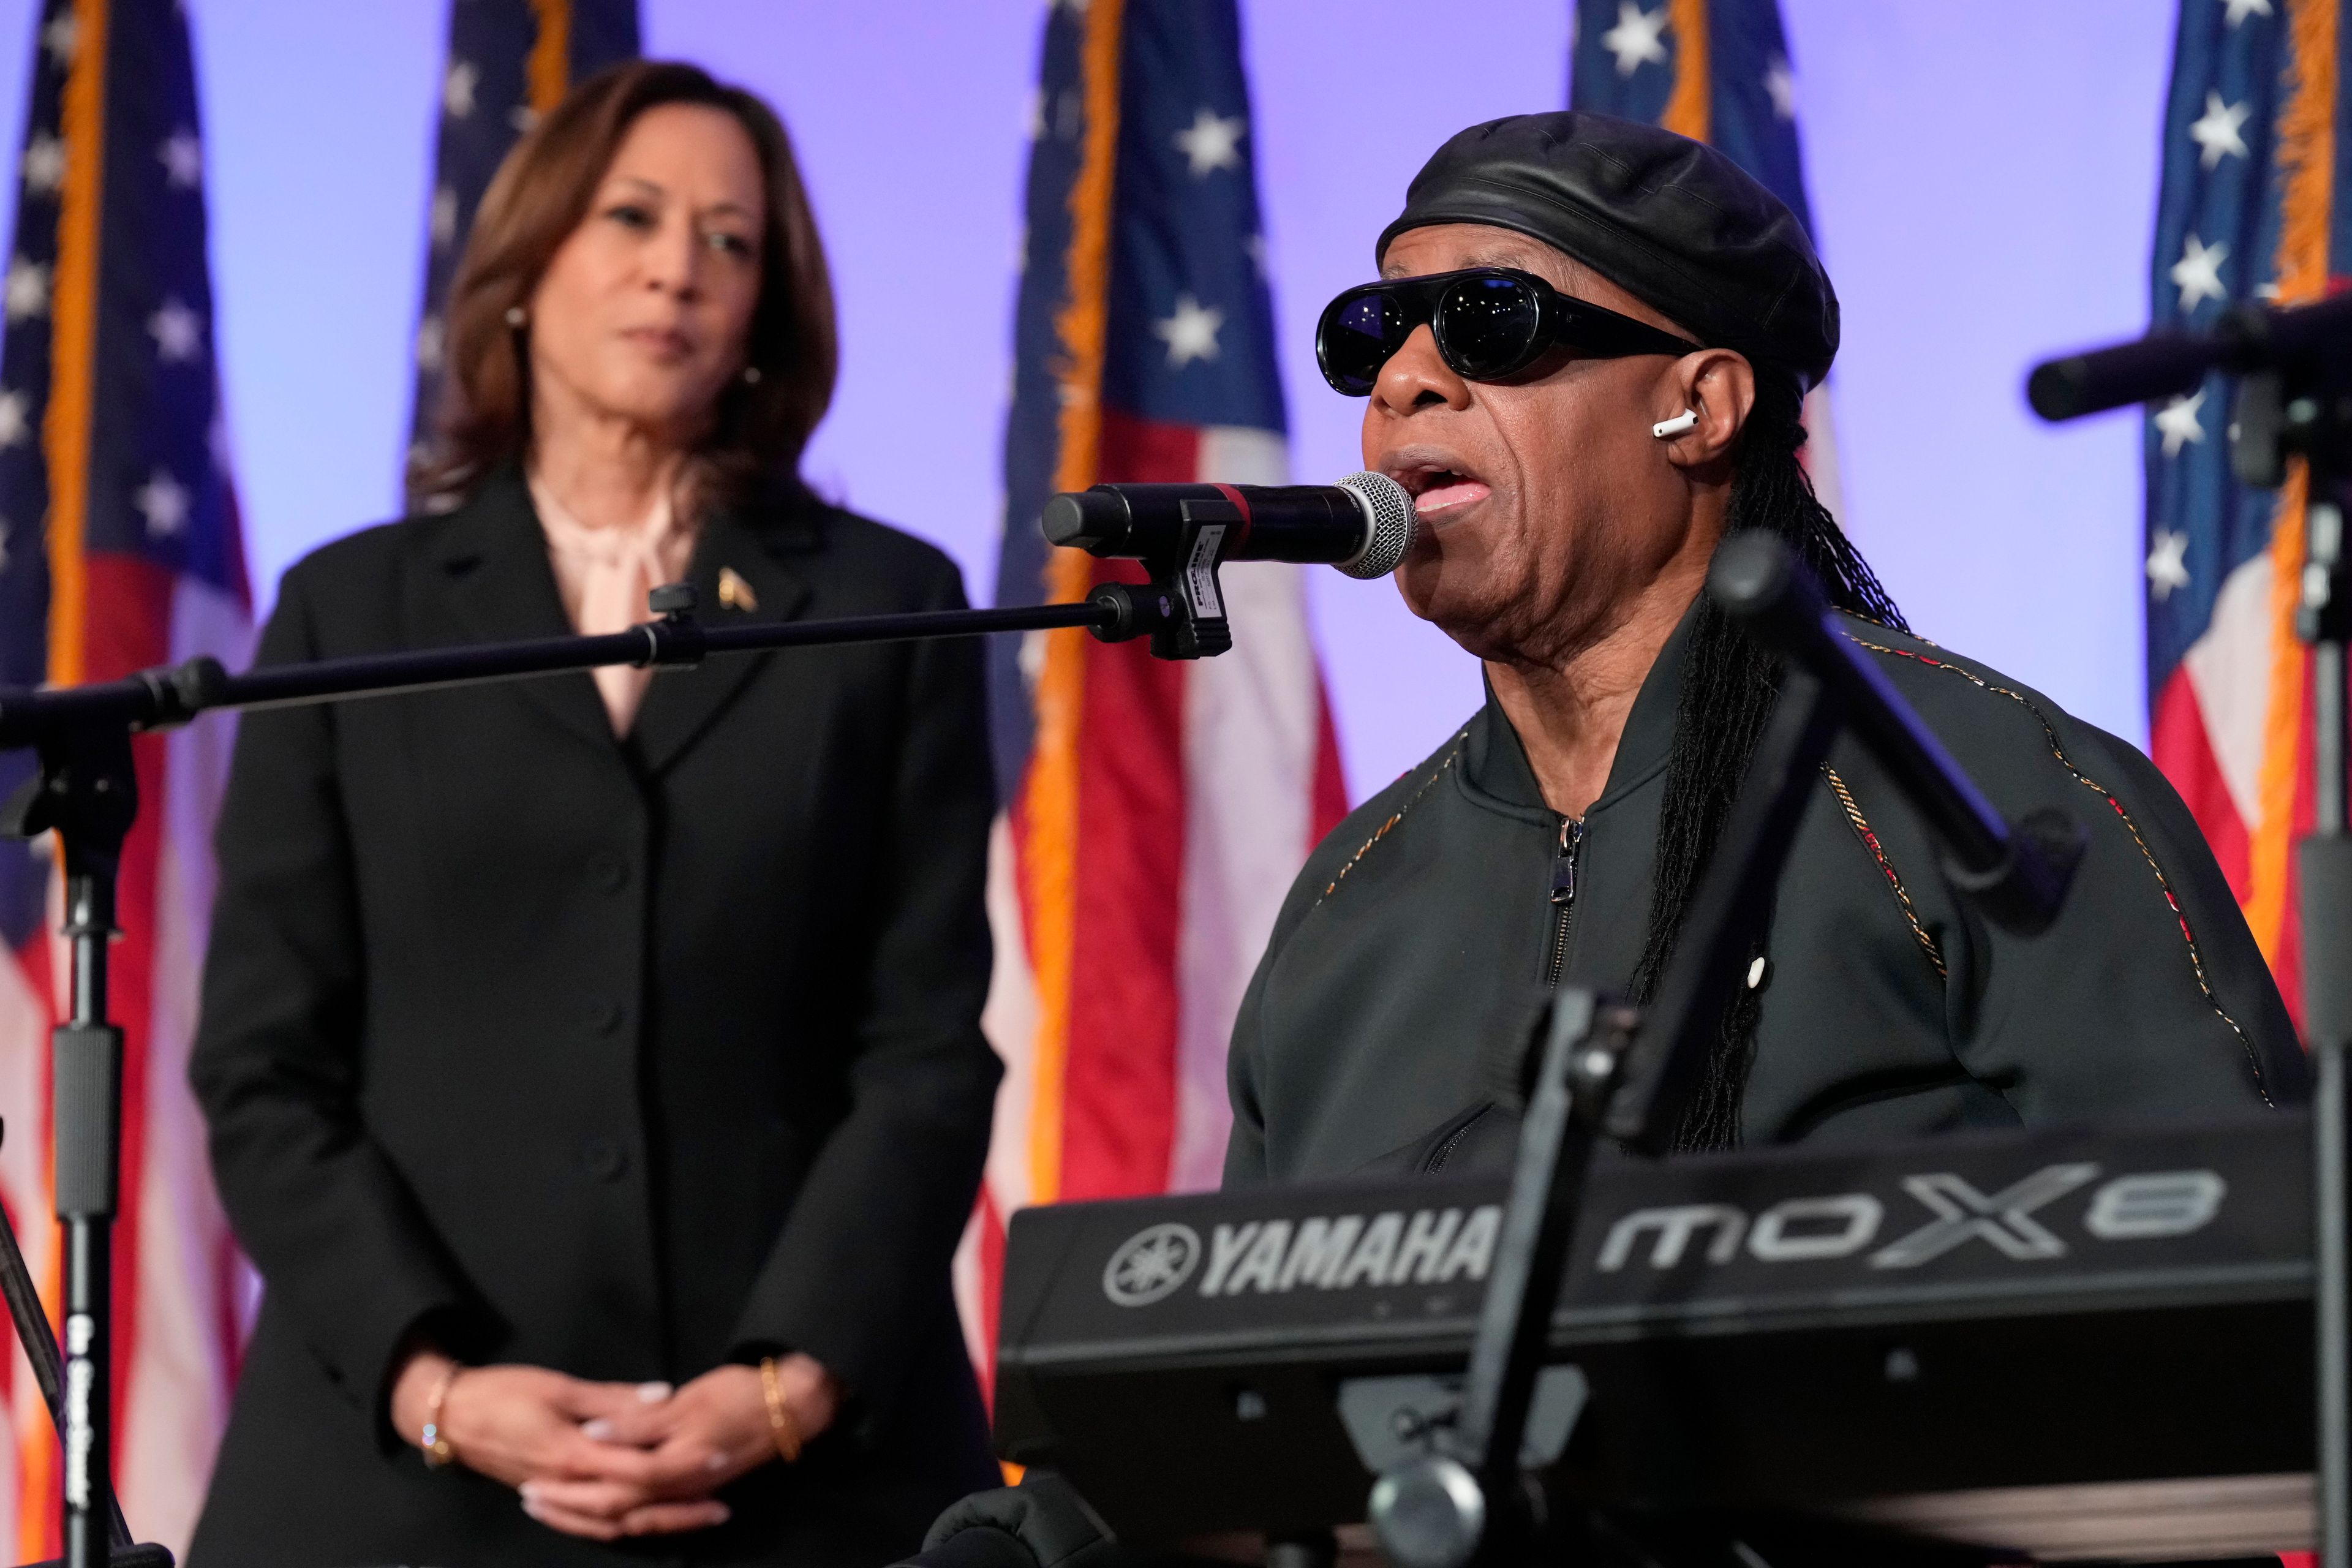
(1376, 1033)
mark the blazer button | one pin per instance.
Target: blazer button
(605, 1159)
(607, 871)
(605, 1015)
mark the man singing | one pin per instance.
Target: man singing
(1586, 359)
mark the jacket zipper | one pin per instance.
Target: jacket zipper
(1445, 1151)
(1563, 893)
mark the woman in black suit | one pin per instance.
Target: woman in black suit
(593, 1067)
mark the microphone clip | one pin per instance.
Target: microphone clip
(1182, 608)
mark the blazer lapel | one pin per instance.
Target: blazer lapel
(758, 586)
(501, 587)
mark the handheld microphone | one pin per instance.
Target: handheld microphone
(1363, 525)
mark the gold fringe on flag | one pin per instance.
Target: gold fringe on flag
(548, 73)
(73, 345)
(1049, 802)
(65, 444)
(1083, 324)
(1690, 108)
(2306, 160)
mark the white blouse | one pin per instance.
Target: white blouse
(604, 575)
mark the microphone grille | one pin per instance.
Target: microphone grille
(1387, 510)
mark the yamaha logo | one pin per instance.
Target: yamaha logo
(1151, 1265)
(1273, 1257)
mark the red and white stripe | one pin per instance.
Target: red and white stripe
(2231, 730)
(1203, 787)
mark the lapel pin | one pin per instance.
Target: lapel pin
(734, 593)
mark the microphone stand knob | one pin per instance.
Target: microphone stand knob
(1429, 1512)
(675, 639)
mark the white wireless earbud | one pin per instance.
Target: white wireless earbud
(1686, 420)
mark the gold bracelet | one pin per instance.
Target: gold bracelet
(782, 1425)
(434, 1440)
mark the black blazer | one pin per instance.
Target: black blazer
(628, 1058)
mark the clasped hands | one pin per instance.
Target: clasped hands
(608, 1459)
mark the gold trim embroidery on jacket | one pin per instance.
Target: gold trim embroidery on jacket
(1396, 816)
(1863, 831)
(2163, 883)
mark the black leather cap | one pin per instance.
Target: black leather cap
(1668, 219)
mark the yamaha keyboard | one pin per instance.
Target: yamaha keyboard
(2070, 1343)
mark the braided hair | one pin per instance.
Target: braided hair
(1728, 689)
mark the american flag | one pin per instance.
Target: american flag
(509, 62)
(2247, 212)
(1717, 71)
(1157, 812)
(119, 548)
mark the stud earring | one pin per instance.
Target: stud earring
(1665, 428)
(750, 375)
(515, 317)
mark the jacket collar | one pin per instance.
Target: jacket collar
(501, 587)
(494, 559)
(1495, 762)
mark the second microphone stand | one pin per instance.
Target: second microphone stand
(2294, 374)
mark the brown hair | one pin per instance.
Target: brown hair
(540, 196)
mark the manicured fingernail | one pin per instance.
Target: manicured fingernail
(600, 1429)
(531, 1506)
(529, 1491)
(716, 1462)
(653, 1392)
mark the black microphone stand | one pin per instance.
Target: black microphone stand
(32, 1324)
(86, 792)
(2294, 370)
(1609, 1072)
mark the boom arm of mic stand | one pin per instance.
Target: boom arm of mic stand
(2163, 364)
(160, 699)
(2017, 875)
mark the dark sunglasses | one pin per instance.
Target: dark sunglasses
(1489, 322)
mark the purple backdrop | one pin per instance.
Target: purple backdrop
(1984, 178)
